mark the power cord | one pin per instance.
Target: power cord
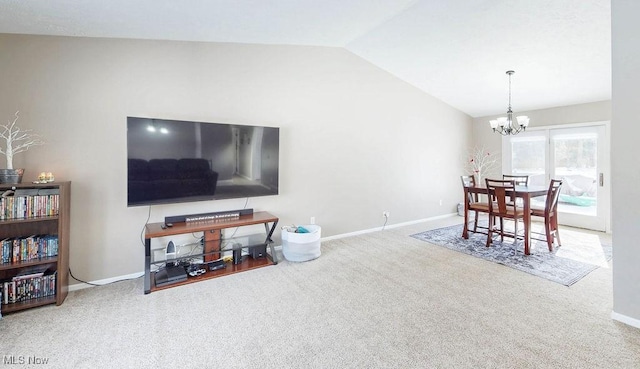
(104, 284)
(144, 227)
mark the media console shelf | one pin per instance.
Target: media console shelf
(212, 232)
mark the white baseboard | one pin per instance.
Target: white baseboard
(391, 226)
(625, 319)
(81, 285)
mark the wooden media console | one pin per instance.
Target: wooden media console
(212, 246)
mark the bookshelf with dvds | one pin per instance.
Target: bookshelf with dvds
(34, 244)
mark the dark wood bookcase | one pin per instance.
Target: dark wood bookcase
(212, 250)
(43, 225)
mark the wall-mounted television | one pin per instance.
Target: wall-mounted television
(171, 161)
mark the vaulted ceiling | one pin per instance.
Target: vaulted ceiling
(455, 50)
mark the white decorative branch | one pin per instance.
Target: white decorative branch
(16, 140)
(481, 162)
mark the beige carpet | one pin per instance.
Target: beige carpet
(380, 300)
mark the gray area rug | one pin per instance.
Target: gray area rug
(580, 253)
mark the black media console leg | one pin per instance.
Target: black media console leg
(274, 257)
(147, 266)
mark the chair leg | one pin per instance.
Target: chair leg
(515, 231)
(490, 230)
(501, 229)
(549, 232)
(475, 222)
(555, 229)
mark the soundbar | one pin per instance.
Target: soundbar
(207, 216)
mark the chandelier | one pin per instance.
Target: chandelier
(505, 125)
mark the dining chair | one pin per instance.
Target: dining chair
(474, 202)
(501, 206)
(520, 180)
(550, 214)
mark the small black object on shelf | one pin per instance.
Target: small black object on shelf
(217, 264)
(237, 256)
(170, 274)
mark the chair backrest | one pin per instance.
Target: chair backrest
(520, 180)
(469, 181)
(553, 194)
(501, 202)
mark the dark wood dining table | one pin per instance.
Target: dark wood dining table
(526, 193)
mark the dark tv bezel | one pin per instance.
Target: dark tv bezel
(273, 191)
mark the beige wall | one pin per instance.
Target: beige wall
(355, 141)
(625, 154)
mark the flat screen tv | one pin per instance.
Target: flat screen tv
(171, 161)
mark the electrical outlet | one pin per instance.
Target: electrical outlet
(440, 202)
(386, 214)
(312, 220)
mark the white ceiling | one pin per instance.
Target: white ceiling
(455, 50)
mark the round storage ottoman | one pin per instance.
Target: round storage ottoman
(301, 246)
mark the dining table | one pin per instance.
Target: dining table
(526, 193)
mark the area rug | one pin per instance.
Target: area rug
(580, 253)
